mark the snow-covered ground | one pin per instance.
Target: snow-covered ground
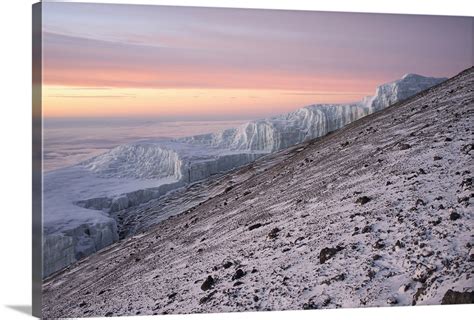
(378, 213)
(82, 202)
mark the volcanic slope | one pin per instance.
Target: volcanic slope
(377, 213)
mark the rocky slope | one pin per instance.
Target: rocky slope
(377, 213)
(83, 204)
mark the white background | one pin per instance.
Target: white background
(15, 158)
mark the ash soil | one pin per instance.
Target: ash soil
(377, 213)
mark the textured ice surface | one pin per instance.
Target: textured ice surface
(79, 200)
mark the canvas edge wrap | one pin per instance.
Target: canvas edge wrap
(37, 161)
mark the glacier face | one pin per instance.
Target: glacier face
(279, 132)
(79, 201)
(139, 161)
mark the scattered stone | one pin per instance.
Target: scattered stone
(392, 300)
(312, 303)
(328, 253)
(419, 292)
(404, 146)
(379, 244)
(427, 252)
(436, 158)
(362, 200)
(455, 297)
(420, 202)
(423, 272)
(238, 274)
(171, 296)
(466, 183)
(246, 193)
(208, 283)
(228, 189)
(273, 233)
(339, 277)
(404, 288)
(255, 226)
(399, 244)
(454, 215)
(436, 222)
(367, 229)
(238, 283)
(377, 257)
(207, 298)
(466, 149)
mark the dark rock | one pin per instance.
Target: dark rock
(423, 272)
(399, 244)
(246, 193)
(328, 253)
(255, 298)
(207, 298)
(455, 297)
(339, 277)
(436, 222)
(392, 301)
(255, 226)
(379, 244)
(238, 283)
(454, 215)
(227, 264)
(82, 304)
(310, 305)
(466, 183)
(273, 233)
(363, 200)
(420, 202)
(208, 283)
(377, 257)
(367, 229)
(228, 189)
(171, 296)
(238, 274)
(404, 146)
(466, 149)
(436, 158)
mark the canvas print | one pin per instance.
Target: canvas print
(201, 160)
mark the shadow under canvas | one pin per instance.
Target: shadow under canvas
(25, 309)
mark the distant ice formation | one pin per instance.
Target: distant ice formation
(136, 173)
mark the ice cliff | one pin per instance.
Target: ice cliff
(132, 174)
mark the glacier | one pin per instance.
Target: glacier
(79, 201)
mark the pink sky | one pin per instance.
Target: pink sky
(130, 60)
